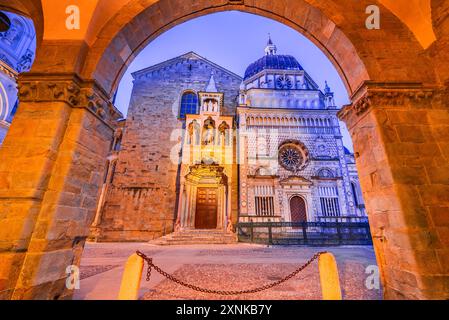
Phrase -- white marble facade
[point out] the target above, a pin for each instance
(293, 164)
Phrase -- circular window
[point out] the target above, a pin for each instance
(293, 156)
(284, 82)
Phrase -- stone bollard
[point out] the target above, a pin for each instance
(129, 288)
(330, 283)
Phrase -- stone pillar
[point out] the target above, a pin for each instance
(181, 202)
(438, 52)
(51, 168)
(192, 209)
(401, 139)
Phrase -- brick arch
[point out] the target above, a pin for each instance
(336, 27)
(440, 17)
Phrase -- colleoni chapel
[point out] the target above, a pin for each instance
(203, 149)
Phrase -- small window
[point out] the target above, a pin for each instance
(265, 206)
(189, 104)
(330, 207)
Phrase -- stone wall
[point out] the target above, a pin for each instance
(142, 201)
(400, 135)
(50, 173)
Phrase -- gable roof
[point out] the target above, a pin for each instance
(188, 55)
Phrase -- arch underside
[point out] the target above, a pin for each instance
(391, 54)
(359, 54)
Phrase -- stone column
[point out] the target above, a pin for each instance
(192, 206)
(401, 138)
(181, 202)
(51, 168)
(228, 198)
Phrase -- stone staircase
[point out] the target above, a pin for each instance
(196, 237)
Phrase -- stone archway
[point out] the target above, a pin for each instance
(398, 121)
(327, 23)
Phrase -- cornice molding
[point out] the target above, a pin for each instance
(6, 69)
(71, 89)
(381, 94)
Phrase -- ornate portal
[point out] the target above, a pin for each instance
(204, 198)
(206, 168)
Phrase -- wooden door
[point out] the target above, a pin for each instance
(206, 209)
(298, 209)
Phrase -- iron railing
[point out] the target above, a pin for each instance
(305, 233)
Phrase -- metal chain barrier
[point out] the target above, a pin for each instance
(170, 277)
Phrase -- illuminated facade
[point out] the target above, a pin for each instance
(293, 165)
(266, 147)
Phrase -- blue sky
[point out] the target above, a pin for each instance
(234, 40)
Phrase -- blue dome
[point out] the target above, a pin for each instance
(272, 61)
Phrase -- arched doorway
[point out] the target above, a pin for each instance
(298, 209)
(203, 205)
(206, 208)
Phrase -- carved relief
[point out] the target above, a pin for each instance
(382, 95)
(72, 91)
(204, 171)
(322, 150)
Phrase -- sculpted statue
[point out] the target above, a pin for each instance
(208, 136)
(209, 132)
(230, 227)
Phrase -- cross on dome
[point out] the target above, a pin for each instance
(271, 48)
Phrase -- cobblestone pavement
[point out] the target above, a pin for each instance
(231, 267)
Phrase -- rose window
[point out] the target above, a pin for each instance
(292, 157)
(284, 82)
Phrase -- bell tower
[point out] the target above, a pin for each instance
(207, 170)
(211, 100)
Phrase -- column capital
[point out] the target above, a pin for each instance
(385, 94)
(71, 89)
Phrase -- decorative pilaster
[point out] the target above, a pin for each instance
(71, 89)
(400, 133)
(58, 142)
(382, 94)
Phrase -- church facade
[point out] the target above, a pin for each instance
(294, 166)
(203, 149)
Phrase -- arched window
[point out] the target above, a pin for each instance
(325, 173)
(189, 104)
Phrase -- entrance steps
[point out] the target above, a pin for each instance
(197, 237)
